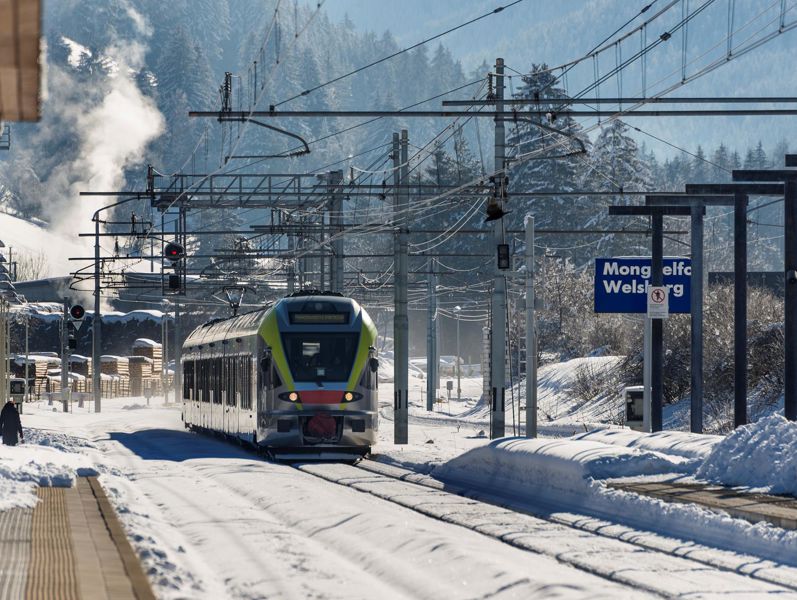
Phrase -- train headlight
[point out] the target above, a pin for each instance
(289, 396)
(351, 396)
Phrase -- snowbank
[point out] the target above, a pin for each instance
(564, 476)
(525, 466)
(44, 459)
(673, 443)
(761, 455)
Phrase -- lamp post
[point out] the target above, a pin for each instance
(459, 358)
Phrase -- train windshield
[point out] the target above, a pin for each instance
(320, 357)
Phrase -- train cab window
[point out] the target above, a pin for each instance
(320, 357)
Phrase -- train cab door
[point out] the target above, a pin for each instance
(263, 384)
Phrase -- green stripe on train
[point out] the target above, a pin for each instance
(367, 339)
(269, 331)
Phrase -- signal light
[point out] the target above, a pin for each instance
(503, 257)
(173, 252)
(174, 282)
(72, 342)
(77, 312)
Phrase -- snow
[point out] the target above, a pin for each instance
(146, 343)
(761, 455)
(673, 443)
(212, 520)
(44, 459)
(569, 475)
(110, 358)
(562, 466)
(134, 315)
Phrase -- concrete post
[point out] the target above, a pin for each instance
(696, 301)
(498, 346)
(531, 338)
(740, 309)
(400, 319)
(96, 323)
(336, 225)
(657, 327)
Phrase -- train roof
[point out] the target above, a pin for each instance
(248, 324)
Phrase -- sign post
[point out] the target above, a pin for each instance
(624, 285)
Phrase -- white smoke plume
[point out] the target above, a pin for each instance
(110, 126)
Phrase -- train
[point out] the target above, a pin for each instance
(297, 379)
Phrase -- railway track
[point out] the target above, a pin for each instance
(659, 565)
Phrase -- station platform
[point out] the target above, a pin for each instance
(70, 546)
(780, 511)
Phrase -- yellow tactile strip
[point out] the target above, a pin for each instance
(134, 576)
(15, 525)
(52, 564)
(70, 546)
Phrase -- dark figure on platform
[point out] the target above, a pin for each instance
(10, 424)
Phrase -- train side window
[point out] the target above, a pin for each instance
(218, 383)
(230, 381)
(248, 382)
(233, 379)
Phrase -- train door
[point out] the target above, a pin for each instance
(231, 407)
(213, 394)
(263, 387)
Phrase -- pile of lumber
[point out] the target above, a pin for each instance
(141, 374)
(115, 365)
(80, 365)
(150, 349)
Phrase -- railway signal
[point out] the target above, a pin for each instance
(173, 252)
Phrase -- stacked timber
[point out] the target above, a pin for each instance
(38, 367)
(116, 370)
(80, 365)
(115, 365)
(141, 374)
(152, 350)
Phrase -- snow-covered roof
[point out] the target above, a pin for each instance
(145, 343)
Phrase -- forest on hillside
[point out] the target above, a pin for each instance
(151, 62)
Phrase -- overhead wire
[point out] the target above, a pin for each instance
(395, 54)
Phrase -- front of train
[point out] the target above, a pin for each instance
(320, 389)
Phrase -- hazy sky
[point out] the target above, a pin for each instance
(537, 31)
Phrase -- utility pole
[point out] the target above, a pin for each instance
(431, 340)
(657, 326)
(498, 347)
(336, 226)
(531, 339)
(96, 323)
(4, 320)
(65, 357)
(178, 353)
(27, 354)
(400, 319)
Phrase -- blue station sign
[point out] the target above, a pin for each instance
(622, 284)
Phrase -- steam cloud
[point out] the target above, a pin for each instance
(111, 128)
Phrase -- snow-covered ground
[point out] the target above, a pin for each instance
(212, 520)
